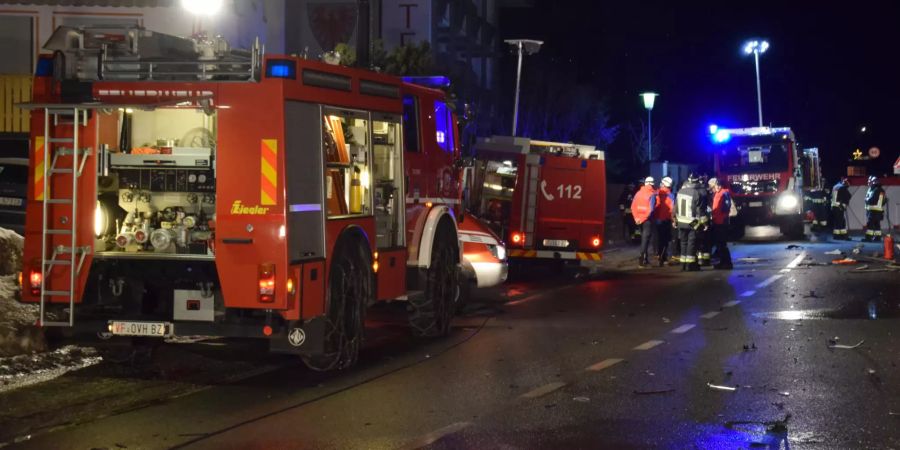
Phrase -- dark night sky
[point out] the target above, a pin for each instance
(830, 69)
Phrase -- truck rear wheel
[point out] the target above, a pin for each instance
(349, 288)
(432, 312)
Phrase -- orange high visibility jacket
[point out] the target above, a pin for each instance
(664, 204)
(643, 204)
(721, 207)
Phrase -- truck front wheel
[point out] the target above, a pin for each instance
(432, 312)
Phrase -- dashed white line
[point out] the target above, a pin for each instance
(683, 328)
(768, 281)
(731, 303)
(796, 262)
(606, 363)
(710, 315)
(748, 293)
(543, 390)
(648, 345)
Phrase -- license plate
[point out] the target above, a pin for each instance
(10, 201)
(153, 329)
(556, 243)
(755, 204)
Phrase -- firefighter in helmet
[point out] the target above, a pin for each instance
(840, 198)
(642, 208)
(704, 238)
(690, 215)
(818, 199)
(875, 201)
(664, 211)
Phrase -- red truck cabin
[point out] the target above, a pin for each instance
(218, 199)
(547, 199)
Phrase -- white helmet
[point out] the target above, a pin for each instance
(666, 182)
(713, 182)
(649, 181)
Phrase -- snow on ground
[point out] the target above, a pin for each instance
(18, 334)
(22, 370)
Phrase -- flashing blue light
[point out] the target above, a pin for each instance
(713, 129)
(44, 67)
(435, 81)
(722, 136)
(281, 68)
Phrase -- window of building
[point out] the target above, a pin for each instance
(411, 123)
(345, 141)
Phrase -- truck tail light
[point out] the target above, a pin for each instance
(596, 241)
(267, 283)
(35, 280)
(517, 238)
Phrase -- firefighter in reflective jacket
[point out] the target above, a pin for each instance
(704, 237)
(875, 201)
(664, 208)
(642, 208)
(628, 229)
(840, 198)
(818, 200)
(720, 210)
(690, 215)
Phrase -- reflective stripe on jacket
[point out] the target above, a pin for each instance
(875, 199)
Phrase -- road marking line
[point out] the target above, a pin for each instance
(731, 303)
(436, 435)
(683, 328)
(606, 363)
(710, 315)
(748, 293)
(543, 390)
(648, 345)
(768, 281)
(796, 262)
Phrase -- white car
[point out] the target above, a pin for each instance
(484, 254)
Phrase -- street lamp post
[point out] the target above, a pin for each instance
(757, 48)
(649, 100)
(521, 46)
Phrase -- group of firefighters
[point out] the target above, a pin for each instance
(700, 213)
(875, 202)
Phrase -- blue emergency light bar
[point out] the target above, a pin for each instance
(722, 135)
(434, 81)
(281, 68)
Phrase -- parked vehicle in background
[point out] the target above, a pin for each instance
(13, 181)
(547, 199)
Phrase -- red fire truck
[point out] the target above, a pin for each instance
(181, 187)
(547, 198)
(767, 173)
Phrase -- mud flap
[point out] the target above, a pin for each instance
(300, 338)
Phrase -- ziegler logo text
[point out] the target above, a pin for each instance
(239, 209)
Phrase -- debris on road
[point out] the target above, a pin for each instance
(812, 294)
(716, 387)
(666, 320)
(846, 261)
(748, 347)
(794, 247)
(749, 260)
(654, 392)
(581, 399)
(784, 394)
(834, 252)
(845, 347)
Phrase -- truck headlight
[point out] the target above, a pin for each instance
(499, 251)
(787, 202)
(101, 220)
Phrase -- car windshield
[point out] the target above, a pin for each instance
(754, 158)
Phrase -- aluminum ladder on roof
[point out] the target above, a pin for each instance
(71, 256)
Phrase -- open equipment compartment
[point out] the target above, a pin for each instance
(156, 195)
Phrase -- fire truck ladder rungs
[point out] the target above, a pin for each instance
(72, 255)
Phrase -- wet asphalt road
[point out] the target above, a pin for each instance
(619, 361)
